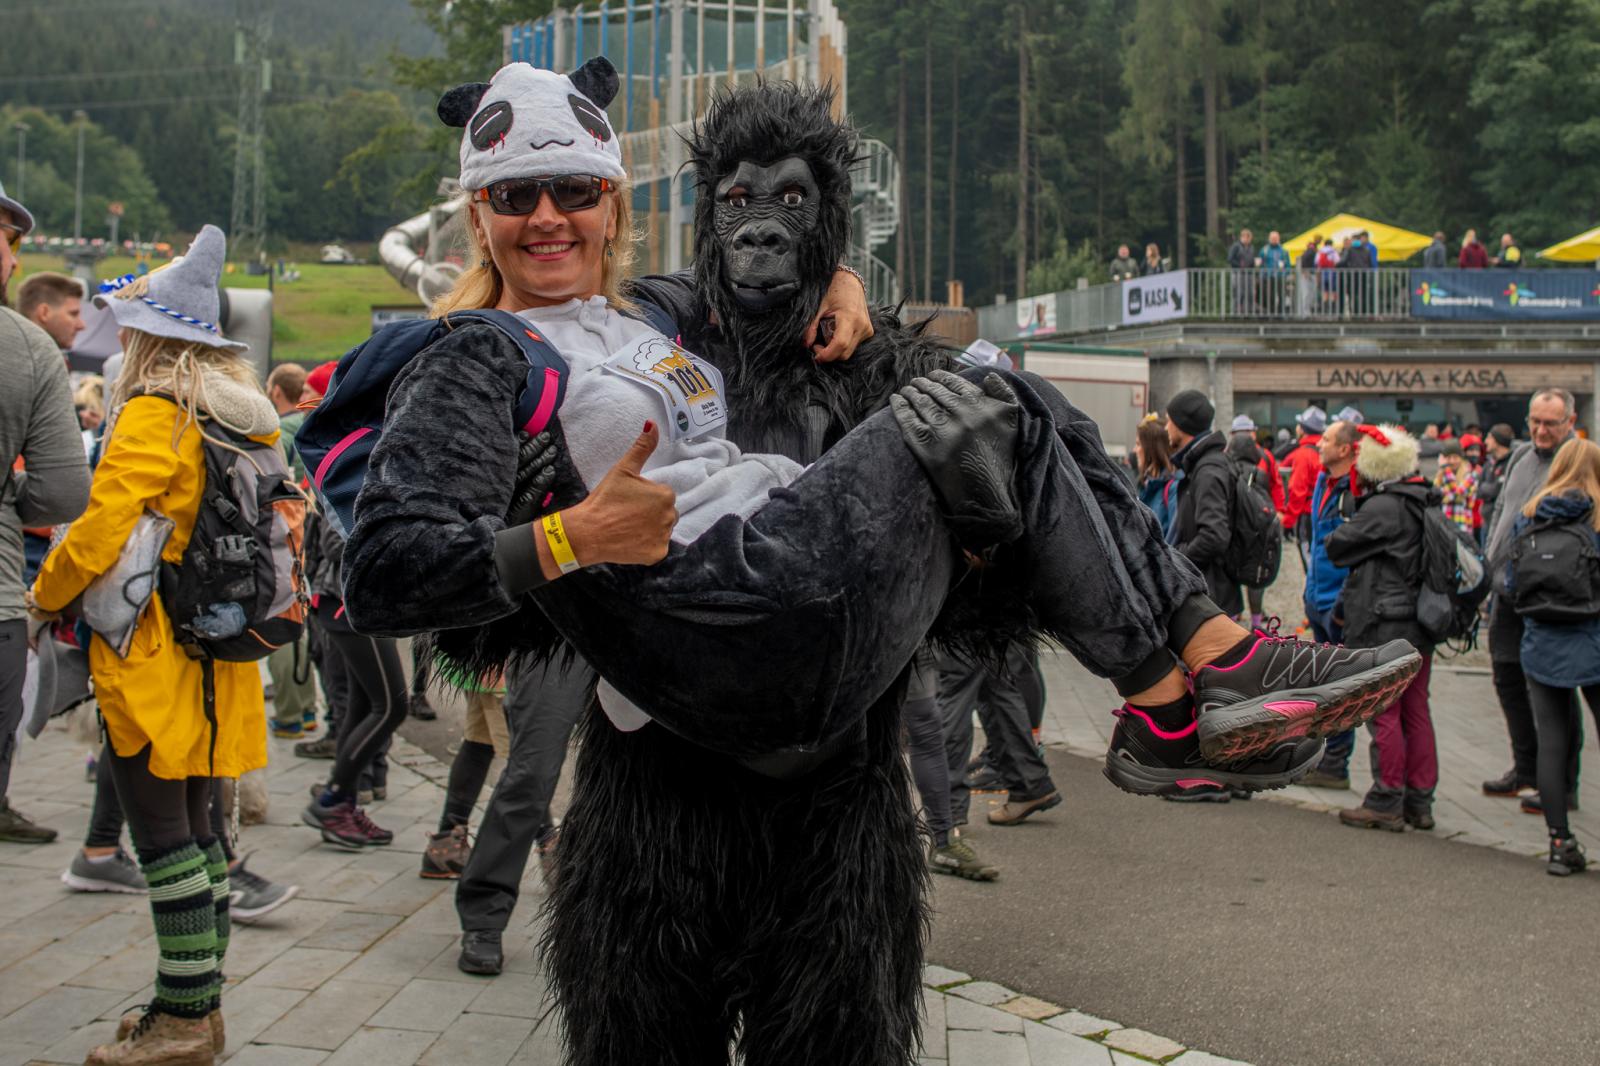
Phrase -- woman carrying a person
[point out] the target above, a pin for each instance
(166, 745)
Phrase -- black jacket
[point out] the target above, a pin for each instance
(1381, 546)
(1204, 519)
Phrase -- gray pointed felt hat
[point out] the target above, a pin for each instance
(182, 300)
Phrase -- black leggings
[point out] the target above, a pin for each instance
(375, 703)
(1555, 713)
(106, 817)
(162, 814)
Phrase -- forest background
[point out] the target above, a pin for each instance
(1034, 135)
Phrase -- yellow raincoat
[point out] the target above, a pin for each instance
(154, 695)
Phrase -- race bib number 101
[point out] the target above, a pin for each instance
(689, 387)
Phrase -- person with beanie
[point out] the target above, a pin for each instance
(1491, 472)
(1247, 453)
(1381, 548)
(1304, 463)
(1204, 518)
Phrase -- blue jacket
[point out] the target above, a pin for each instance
(1160, 494)
(1324, 581)
(1561, 655)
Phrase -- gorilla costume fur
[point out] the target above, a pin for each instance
(777, 903)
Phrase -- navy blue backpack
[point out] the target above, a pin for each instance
(337, 438)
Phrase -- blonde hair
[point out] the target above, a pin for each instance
(1576, 468)
(91, 394)
(480, 285)
(173, 367)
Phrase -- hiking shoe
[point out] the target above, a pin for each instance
(158, 1039)
(219, 1029)
(308, 722)
(958, 859)
(480, 952)
(288, 730)
(1365, 817)
(345, 825)
(1508, 785)
(1320, 778)
(446, 854)
(1420, 820)
(380, 793)
(1566, 857)
(985, 779)
(547, 855)
(114, 873)
(364, 797)
(1203, 792)
(321, 748)
(1016, 809)
(15, 828)
(420, 709)
(1147, 760)
(253, 896)
(1533, 803)
(1286, 688)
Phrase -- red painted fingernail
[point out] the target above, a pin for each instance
(649, 425)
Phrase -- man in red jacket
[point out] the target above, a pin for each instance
(1304, 464)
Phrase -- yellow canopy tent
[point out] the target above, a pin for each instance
(1584, 248)
(1393, 242)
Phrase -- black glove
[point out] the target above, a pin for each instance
(965, 437)
(536, 476)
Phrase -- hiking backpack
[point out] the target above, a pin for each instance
(238, 592)
(337, 438)
(1555, 572)
(1255, 536)
(1455, 580)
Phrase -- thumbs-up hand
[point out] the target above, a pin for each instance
(626, 519)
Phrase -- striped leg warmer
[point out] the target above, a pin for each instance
(221, 891)
(186, 930)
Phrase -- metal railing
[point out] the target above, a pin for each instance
(1302, 294)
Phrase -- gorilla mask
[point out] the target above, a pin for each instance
(762, 216)
(772, 220)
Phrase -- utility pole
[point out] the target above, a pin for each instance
(247, 227)
(22, 156)
(79, 119)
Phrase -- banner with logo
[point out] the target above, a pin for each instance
(1155, 298)
(1516, 294)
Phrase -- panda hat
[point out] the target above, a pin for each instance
(532, 123)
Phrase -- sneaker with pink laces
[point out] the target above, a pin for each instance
(1284, 689)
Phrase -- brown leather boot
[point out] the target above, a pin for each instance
(1365, 817)
(219, 1034)
(158, 1039)
(1014, 810)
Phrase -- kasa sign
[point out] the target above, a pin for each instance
(1156, 298)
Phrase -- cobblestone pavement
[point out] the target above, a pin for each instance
(360, 968)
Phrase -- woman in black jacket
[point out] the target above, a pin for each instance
(1381, 546)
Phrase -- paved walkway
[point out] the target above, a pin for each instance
(361, 967)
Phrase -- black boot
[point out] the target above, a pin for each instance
(480, 952)
(1566, 856)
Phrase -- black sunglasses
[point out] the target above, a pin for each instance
(520, 196)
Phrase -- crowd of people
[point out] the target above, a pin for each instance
(1351, 496)
(716, 761)
(1329, 276)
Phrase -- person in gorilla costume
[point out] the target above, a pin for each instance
(740, 863)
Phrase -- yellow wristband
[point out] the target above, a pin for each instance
(555, 535)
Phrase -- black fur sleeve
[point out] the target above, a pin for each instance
(422, 554)
(675, 294)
